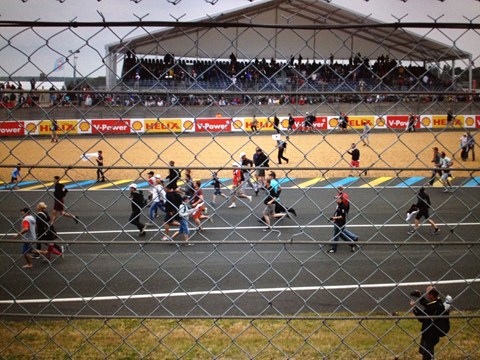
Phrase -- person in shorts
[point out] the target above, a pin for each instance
(198, 203)
(355, 153)
(28, 232)
(217, 190)
(184, 212)
(260, 159)
(237, 186)
(423, 205)
(54, 129)
(173, 200)
(16, 176)
(59, 194)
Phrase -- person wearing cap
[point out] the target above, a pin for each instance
(237, 186)
(28, 232)
(158, 198)
(246, 163)
(339, 220)
(46, 233)
(346, 202)
(137, 206)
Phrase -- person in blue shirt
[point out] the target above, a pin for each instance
(16, 176)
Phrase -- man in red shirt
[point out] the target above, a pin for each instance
(198, 203)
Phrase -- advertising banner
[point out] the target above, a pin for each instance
(162, 125)
(440, 121)
(12, 128)
(110, 126)
(354, 121)
(401, 121)
(213, 125)
(64, 127)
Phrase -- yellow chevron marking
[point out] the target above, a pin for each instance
(109, 184)
(39, 186)
(438, 183)
(310, 182)
(376, 182)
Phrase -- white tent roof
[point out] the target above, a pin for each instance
(321, 29)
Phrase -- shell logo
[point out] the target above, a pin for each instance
(284, 123)
(31, 127)
(333, 122)
(188, 125)
(84, 126)
(426, 121)
(137, 126)
(469, 121)
(237, 124)
(380, 121)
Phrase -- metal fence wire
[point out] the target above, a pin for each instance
(185, 118)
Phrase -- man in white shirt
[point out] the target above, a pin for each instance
(158, 197)
(446, 163)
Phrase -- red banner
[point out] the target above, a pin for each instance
(400, 121)
(12, 128)
(477, 121)
(213, 125)
(116, 126)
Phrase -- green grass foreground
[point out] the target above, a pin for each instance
(231, 339)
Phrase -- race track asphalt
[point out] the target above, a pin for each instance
(235, 268)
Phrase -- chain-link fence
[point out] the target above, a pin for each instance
(197, 191)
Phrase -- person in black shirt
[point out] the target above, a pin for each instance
(173, 200)
(282, 146)
(291, 123)
(432, 306)
(270, 201)
(450, 119)
(355, 153)
(423, 205)
(260, 159)
(246, 165)
(173, 175)
(276, 123)
(137, 206)
(59, 193)
(339, 220)
(437, 160)
(100, 174)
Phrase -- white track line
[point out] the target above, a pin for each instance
(258, 227)
(237, 291)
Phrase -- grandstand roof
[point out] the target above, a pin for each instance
(321, 29)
